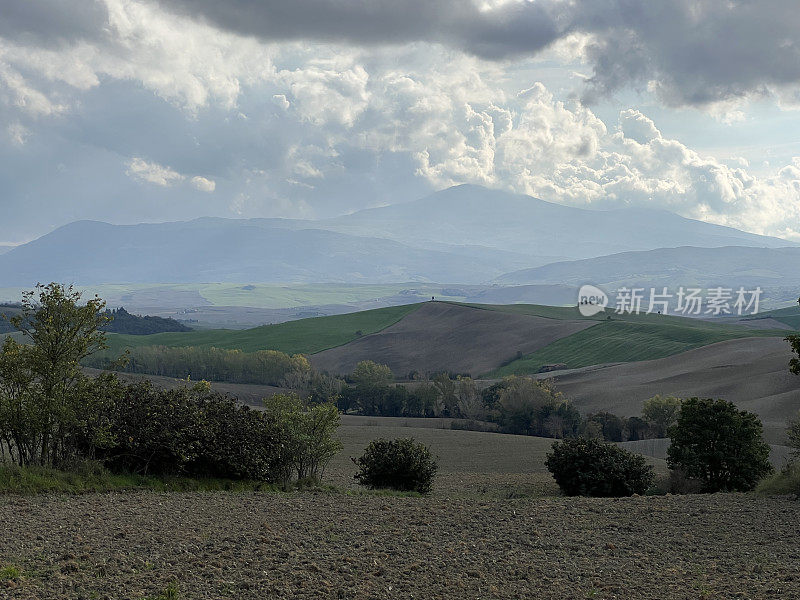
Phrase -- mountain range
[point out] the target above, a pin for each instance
(464, 234)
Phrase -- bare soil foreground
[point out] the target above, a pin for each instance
(226, 545)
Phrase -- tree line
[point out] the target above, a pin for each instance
(264, 367)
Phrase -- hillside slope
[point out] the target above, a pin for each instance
(304, 336)
(751, 372)
(440, 336)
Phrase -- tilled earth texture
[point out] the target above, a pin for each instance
(316, 545)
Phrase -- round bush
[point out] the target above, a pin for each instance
(584, 467)
(398, 464)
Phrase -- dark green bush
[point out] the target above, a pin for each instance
(719, 445)
(192, 431)
(399, 464)
(584, 467)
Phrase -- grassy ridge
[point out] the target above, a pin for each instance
(625, 341)
(305, 336)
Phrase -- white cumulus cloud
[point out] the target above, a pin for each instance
(151, 172)
(203, 184)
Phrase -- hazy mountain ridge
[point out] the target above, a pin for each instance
(226, 251)
(465, 234)
(469, 214)
(728, 265)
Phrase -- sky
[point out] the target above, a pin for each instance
(144, 110)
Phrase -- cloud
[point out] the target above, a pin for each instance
(705, 53)
(344, 121)
(203, 184)
(689, 53)
(151, 172)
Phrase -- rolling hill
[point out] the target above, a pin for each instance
(461, 338)
(441, 336)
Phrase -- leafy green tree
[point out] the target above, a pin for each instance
(369, 374)
(307, 434)
(469, 403)
(448, 400)
(718, 445)
(525, 403)
(47, 405)
(661, 412)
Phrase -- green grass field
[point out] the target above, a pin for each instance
(571, 313)
(789, 315)
(305, 336)
(627, 341)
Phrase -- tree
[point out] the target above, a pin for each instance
(307, 434)
(611, 426)
(793, 434)
(448, 400)
(371, 383)
(661, 412)
(369, 374)
(636, 429)
(794, 342)
(794, 363)
(47, 405)
(718, 445)
(469, 402)
(525, 403)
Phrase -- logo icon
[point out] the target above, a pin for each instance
(591, 300)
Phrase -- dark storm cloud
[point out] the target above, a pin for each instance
(517, 29)
(695, 51)
(49, 23)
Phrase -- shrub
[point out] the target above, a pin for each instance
(399, 464)
(192, 431)
(719, 445)
(583, 467)
(786, 481)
